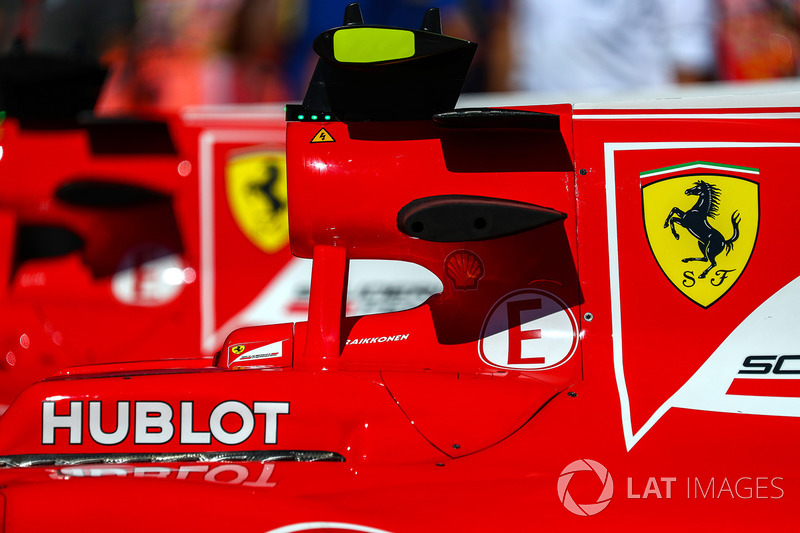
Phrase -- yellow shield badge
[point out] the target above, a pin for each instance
(701, 221)
(256, 190)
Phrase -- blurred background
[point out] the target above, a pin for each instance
(164, 54)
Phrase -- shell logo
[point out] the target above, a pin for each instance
(591, 508)
(464, 269)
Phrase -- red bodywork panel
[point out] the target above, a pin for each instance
(167, 278)
(150, 280)
(589, 374)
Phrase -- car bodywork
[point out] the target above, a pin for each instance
(127, 239)
(582, 368)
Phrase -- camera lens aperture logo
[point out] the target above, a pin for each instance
(588, 508)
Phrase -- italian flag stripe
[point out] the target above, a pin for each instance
(697, 165)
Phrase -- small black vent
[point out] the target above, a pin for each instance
(106, 194)
(459, 218)
(40, 242)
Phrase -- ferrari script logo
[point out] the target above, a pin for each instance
(256, 189)
(702, 226)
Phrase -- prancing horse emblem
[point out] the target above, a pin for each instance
(719, 197)
(255, 183)
(695, 221)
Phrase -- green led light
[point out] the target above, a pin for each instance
(300, 117)
(327, 117)
(313, 117)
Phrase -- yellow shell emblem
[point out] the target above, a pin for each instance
(256, 189)
(702, 227)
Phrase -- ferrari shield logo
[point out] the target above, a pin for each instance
(701, 221)
(256, 190)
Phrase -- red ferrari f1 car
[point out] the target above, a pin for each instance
(155, 236)
(612, 349)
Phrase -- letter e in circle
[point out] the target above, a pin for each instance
(528, 329)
